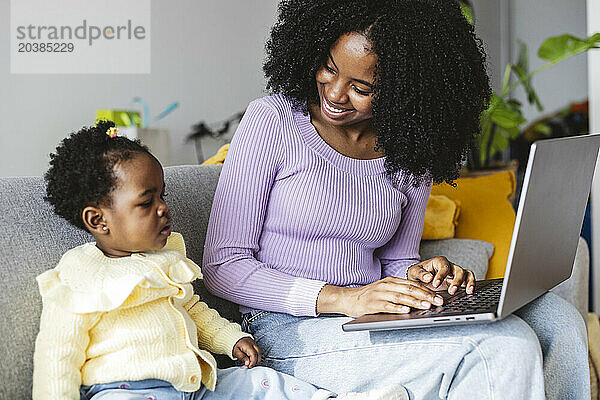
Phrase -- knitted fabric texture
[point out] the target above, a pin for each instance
(291, 214)
(129, 318)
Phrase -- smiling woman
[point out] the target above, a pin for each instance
(428, 82)
(345, 86)
(319, 209)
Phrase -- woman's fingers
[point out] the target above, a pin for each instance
(419, 272)
(411, 301)
(395, 295)
(470, 281)
(457, 279)
(389, 295)
(454, 275)
(413, 294)
(432, 271)
(393, 308)
(442, 267)
(461, 277)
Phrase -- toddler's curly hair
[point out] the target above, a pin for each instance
(81, 172)
(430, 79)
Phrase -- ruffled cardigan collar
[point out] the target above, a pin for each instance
(86, 281)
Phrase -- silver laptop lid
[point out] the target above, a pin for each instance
(549, 218)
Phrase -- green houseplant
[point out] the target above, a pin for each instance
(503, 118)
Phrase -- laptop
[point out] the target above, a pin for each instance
(551, 208)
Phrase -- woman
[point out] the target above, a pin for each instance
(320, 205)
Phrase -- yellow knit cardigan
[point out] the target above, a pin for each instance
(131, 318)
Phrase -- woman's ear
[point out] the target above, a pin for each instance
(93, 218)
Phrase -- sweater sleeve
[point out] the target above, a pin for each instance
(60, 352)
(402, 250)
(215, 333)
(230, 267)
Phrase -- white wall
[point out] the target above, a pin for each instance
(205, 54)
(208, 55)
(491, 26)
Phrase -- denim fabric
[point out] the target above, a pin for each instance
(563, 338)
(506, 359)
(147, 389)
(236, 383)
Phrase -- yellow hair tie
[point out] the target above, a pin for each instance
(112, 132)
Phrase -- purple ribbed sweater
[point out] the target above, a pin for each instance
(291, 214)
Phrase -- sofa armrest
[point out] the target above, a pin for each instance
(575, 289)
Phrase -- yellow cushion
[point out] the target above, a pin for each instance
(441, 217)
(218, 158)
(486, 213)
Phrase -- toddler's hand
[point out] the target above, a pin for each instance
(247, 351)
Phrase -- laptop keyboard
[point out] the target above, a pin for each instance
(486, 297)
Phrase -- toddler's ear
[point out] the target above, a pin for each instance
(93, 218)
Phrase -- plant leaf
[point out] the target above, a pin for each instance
(502, 117)
(506, 79)
(500, 141)
(532, 96)
(558, 48)
(467, 12)
(542, 128)
(485, 123)
(498, 144)
(523, 57)
(507, 116)
(522, 71)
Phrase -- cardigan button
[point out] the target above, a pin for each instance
(193, 379)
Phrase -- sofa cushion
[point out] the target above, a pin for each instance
(441, 217)
(33, 240)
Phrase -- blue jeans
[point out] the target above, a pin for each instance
(236, 383)
(544, 344)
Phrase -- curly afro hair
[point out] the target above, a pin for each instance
(81, 171)
(430, 78)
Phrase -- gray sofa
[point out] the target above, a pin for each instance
(33, 240)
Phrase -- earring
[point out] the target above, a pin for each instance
(104, 228)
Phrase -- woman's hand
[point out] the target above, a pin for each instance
(247, 351)
(388, 295)
(438, 270)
